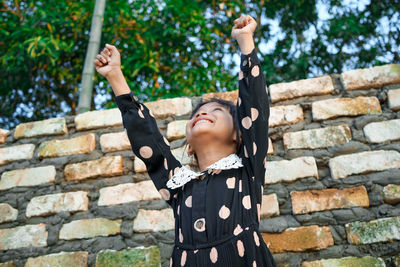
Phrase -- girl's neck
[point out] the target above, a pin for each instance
(208, 155)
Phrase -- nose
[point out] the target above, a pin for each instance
(200, 113)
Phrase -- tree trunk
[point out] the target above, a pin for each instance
(85, 96)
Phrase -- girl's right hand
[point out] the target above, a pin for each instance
(108, 61)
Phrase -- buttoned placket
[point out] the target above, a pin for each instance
(199, 222)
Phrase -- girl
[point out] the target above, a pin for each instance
(217, 211)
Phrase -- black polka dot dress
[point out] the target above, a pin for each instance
(217, 213)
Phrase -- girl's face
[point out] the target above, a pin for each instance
(212, 120)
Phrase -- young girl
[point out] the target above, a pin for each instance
(217, 211)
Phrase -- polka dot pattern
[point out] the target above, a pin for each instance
(254, 264)
(246, 202)
(258, 211)
(256, 239)
(224, 212)
(180, 235)
(166, 164)
(254, 148)
(246, 154)
(240, 248)
(238, 230)
(255, 71)
(246, 122)
(239, 101)
(146, 152)
(166, 141)
(188, 202)
(140, 114)
(240, 75)
(214, 255)
(240, 186)
(254, 114)
(200, 225)
(165, 194)
(230, 182)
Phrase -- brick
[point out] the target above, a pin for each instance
(78, 145)
(364, 162)
(328, 199)
(314, 86)
(28, 177)
(394, 99)
(139, 256)
(269, 206)
(14, 153)
(105, 166)
(139, 165)
(7, 264)
(378, 132)
(23, 236)
(228, 96)
(299, 239)
(375, 77)
(54, 203)
(317, 138)
(154, 221)
(89, 228)
(55, 126)
(176, 129)
(332, 108)
(114, 142)
(3, 135)
(366, 261)
(98, 119)
(285, 115)
(7, 213)
(270, 147)
(125, 193)
(73, 259)
(380, 230)
(290, 170)
(175, 107)
(391, 194)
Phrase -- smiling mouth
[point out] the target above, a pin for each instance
(201, 120)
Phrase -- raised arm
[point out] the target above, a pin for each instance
(253, 102)
(147, 142)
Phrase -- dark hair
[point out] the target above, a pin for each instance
(232, 110)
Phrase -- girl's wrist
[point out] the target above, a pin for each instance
(246, 43)
(114, 74)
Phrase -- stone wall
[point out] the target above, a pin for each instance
(73, 194)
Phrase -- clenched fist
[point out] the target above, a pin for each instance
(108, 61)
(245, 25)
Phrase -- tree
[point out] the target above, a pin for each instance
(175, 47)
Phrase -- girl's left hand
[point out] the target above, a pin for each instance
(245, 25)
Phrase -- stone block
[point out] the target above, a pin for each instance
(7, 264)
(228, 96)
(176, 129)
(154, 221)
(55, 126)
(374, 77)
(299, 239)
(290, 170)
(78, 145)
(170, 107)
(139, 165)
(138, 256)
(7, 213)
(378, 132)
(285, 115)
(54, 203)
(317, 138)
(27, 177)
(380, 230)
(89, 228)
(98, 119)
(394, 99)
(269, 206)
(270, 147)
(366, 261)
(125, 193)
(314, 86)
(3, 135)
(391, 194)
(114, 142)
(336, 107)
(23, 236)
(328, 199)
(363, 162)
(14, 153)
(66, 259)
(105, 166)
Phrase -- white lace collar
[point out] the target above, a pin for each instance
(185, 174)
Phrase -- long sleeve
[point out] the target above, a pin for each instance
(148, 144)
(253, 112)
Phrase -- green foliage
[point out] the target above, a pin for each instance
(173, 48)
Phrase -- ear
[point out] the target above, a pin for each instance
(190, 150)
